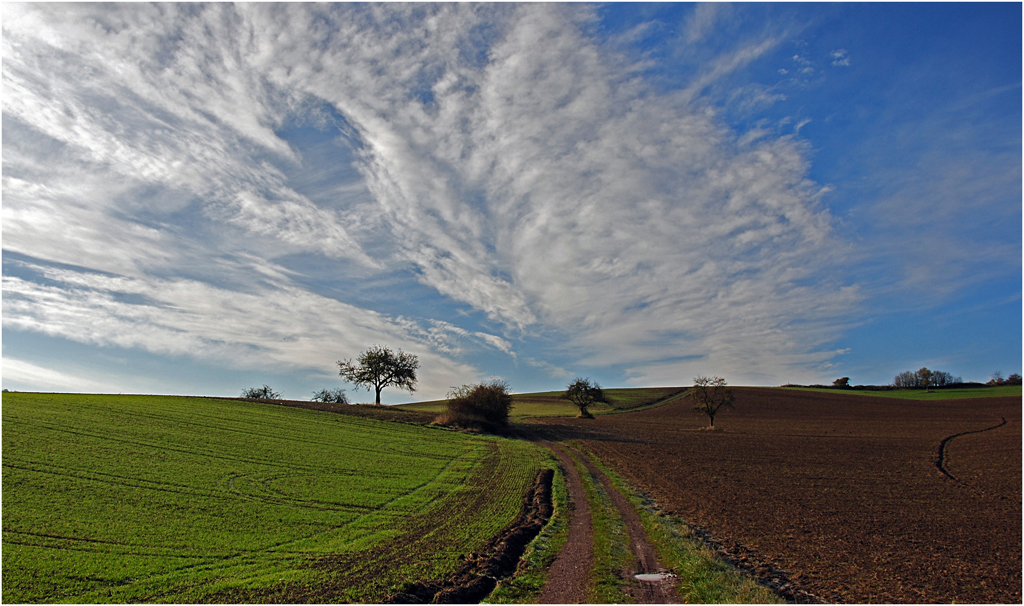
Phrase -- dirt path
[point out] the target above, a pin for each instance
(569, 578)
(645, 559)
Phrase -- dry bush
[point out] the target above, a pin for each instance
(482, 407)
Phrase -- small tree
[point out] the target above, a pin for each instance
(905, 380)
(583, 394)
(709, 395)
(261, 393)
(484, 406)
(843, 383)
(379, 367)
(330, 396)
(924, 378)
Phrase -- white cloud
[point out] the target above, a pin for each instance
(277, 328)
(527, 172)
(840, 58)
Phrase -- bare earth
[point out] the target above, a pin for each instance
(851, 498)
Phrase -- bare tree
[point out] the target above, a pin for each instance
(583, 394)
(379, 367)
(261, 393)
(709, 395)
(905, 380)
(330, 396)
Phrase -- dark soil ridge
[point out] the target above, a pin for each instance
(477, 578)
(941, 462)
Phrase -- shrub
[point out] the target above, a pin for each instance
(261, 393)
(330, 396)
(484, 406)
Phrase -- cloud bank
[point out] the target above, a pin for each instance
(501, 155)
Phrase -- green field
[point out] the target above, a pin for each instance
(920, 394)
(551, 404)
(174, 499)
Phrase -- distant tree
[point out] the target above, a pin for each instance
(330, 396)
(709, 395)
(843, 383)
(997, 378)
(941, 378)
(483, 406)
(261, 393)
(905, 380)
(924, 378)
(583, 394)
(379, 367)
(1013, 379)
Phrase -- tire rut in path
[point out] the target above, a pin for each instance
(569, 576)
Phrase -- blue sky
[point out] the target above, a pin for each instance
(203, 198)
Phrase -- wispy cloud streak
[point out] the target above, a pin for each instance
(512, 161)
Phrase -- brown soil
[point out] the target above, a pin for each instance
(841, 496)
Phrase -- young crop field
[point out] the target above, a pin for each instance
(551, 403)
(853, 499)
(175, 499)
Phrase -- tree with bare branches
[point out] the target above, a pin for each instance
(583, 394)
(709, 395)
(379, 367)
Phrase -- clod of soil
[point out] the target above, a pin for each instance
(482, 570)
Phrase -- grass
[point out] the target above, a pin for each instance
(920, 394)
(703, 577)
(551, 404)
(173, 499)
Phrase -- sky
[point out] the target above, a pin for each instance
(200, 198)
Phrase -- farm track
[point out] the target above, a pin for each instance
(834, 495)
(645, 560)
(569, 575)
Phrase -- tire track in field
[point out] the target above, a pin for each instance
(943, 457)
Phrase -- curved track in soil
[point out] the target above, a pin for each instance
(941, 463)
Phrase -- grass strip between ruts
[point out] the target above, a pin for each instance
(612, 557)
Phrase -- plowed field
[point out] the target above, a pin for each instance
(842, 491)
